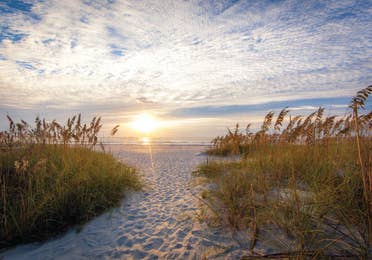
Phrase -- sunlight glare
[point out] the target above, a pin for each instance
(145, 141)
(145, 123)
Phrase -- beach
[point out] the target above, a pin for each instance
(157, 223)
(195, 129)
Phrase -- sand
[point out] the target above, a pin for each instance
(158, 223)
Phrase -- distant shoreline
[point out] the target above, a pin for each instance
(160, 143)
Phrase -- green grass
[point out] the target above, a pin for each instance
(52, 177)
(47, 188)
(305, 187)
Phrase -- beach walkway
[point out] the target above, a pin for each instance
(158, 223)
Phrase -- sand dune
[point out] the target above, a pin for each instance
(158, 223)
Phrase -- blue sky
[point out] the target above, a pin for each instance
(202, 64)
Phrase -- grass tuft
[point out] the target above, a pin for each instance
(305, 184)
(50, 181)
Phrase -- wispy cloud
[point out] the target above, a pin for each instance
(228, 110)
(182, 53)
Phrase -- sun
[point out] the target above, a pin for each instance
(145, 123)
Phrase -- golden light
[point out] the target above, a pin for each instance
(145, 140)
(145, 123)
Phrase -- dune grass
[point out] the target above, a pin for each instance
(51, 179)
(304, 188)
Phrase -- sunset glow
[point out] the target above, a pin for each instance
(216, 129)
(145, 123)
(145, 140)
(206, 63)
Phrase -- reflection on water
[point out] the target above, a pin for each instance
(145, 141)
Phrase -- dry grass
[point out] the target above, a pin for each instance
(298, 130)
(308, 178)
(51, 177)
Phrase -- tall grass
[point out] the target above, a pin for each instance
(304, 183)
(51, 177)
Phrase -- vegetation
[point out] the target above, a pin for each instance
(52, 177)
(305, 184)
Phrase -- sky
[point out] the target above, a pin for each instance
(198, 66)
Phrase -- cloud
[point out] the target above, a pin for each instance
(197, 53)
(144, 100)
(15, 5)
(228, 110)
(12, 35)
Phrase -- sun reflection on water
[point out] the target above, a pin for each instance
(145, 141)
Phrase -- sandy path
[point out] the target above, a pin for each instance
(155, 224)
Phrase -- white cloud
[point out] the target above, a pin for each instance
(184, 52)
